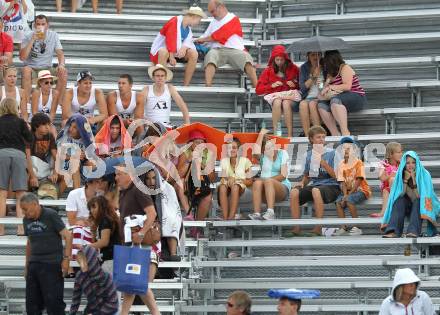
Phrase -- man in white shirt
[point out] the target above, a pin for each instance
(224, 36)
(76, 203)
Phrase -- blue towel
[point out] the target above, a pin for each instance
(294, 294)
(429, 203)
(84, 129)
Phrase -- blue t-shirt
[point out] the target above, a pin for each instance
(271, 168)
(184, 32)
(319, 177)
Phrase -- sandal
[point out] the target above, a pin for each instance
(390, 235)
(411, 235)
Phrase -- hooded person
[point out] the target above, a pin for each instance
(114, 137)
(405, 298)
(279, 85)
(96, 284)
(412, 194)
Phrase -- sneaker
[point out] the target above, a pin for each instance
(340, 232)
(233, 254)
(355, 231)
(188, 217)
(237, 216)
(269, 215)
(255, 216)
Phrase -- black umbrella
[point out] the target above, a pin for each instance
(318, 43)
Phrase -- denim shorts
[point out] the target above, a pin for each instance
(353, 198)
(353, 102)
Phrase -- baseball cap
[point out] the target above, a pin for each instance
(84, 75)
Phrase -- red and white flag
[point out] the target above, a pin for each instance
(226, 33)
(171, 38)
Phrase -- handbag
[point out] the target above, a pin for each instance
(131, 266)
(152, 235)
(327, 96)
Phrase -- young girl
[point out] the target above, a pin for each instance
(412, 195)
(233, 182)
(388, 169)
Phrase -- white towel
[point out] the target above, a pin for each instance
(132, 221)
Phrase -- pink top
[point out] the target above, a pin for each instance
(355, 85)
(389, 169)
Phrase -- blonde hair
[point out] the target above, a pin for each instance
(9, 68)
(9, 106)
(242, 299)
(391, 148)
(316, 130)
(398, 292)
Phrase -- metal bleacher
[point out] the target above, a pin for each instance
(395, 53)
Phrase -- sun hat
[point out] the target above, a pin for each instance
(153, 69)
(195, 11)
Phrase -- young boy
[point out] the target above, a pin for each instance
(351, 174)
(113, 137)
(317, 185)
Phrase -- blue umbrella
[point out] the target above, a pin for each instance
(294, 294)
(141, 165)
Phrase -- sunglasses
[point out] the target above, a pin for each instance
(48, 82)
(43, 48)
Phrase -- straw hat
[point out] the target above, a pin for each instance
(153, 69)
(195, 11)
(44, 74)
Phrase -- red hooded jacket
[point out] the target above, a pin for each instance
(268, 77)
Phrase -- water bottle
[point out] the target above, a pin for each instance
(263, 125)
(278, 131)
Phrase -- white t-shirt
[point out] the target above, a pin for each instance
(77, 201)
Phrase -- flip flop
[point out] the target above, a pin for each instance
(390, 235)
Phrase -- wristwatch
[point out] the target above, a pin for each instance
(141, 235)
(66, 257)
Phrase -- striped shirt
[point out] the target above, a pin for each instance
(355, 85)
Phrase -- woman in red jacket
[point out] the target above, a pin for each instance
(279, 84)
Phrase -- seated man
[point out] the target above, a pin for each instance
(112, 137)
(224, 36)
(175, 41)
(317, 185)
(37, 51)
(6, 49)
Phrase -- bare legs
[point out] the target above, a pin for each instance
(318, 205)
(249, 69)
(229, 207)
(286, 106)
(191, 62)
(337, 115)
(308, 112)
(268, 190)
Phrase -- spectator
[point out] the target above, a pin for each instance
(287, 306)
(318, 184)
(387, 173)
(84, 99)
(273, 183)
(76, 5)
(158, 97)
(16, 17)
(224, 37)
(44, 98)
(96, 284)
(234, 180)
(175, 42)
(14, 136)
(406, 296)
(76, 131)
(412, 195)
(106, 229)
(239, 303)
(45, 261)
(6, 50)
(281, 75)
(11, 90)
(76, 203)
(351, 174)
(343, 91)
(311, 81)
(44, 150)
(113, 138)
(37, 51)
(198, 197)
(125, 102)
(134, 202)
(172, 227)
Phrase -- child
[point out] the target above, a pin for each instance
(319, 186)
(412, 195)
(351, 174)
(387, 172)
(113, 138)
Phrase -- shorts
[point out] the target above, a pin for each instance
(353, 102)
(329, 193)
(13, 170)
(353, 198)
(237, 59)
(295, 107)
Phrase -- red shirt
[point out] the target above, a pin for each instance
(6, 44)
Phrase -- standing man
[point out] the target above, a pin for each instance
(224, 36)
(45, 260)
(239, 303)
(134, 202)
(37, 51)
(6, 49)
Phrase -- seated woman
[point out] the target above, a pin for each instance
(412, 195)
(199, 198)
(76, 131)
(311, 81)
(10, 89)
(112, 139)
(281, 75)
(233, 180)
(342, 94)
(273, 185)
